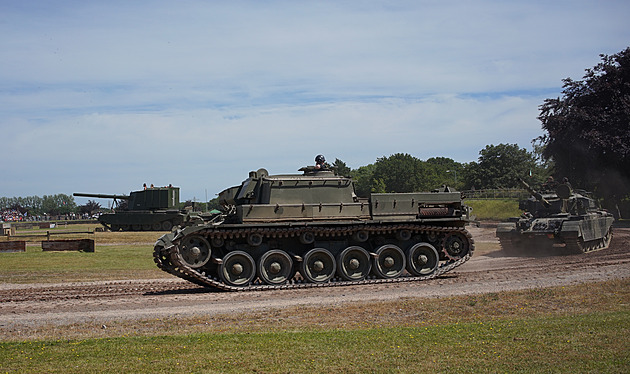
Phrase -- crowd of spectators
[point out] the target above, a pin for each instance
(12, 215)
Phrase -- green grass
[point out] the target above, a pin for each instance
(582, 328)
(594, 342)
(118, 255)
(496, 210)
(106, 263)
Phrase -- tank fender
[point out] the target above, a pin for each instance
(571, 229)
(506, 228)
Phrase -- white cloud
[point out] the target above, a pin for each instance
(106, 96)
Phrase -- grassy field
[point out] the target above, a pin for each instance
(118, 255)
(495, 210)
(581, 328)
(566, 329)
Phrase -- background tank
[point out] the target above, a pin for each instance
(559, 220)
(152, 209)
(291, 231)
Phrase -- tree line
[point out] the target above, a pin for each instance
(51, 205)
(498, 166)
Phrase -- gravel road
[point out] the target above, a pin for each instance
(24, 307)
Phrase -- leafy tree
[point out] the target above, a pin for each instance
(501, 166)
(364, 178)
(89, 208)
(446, 171)
(588, 128)
(58, 204)
(341, 167)
(403, 173)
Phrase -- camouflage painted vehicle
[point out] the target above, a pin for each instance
(152, 209)
(557, 221)
(295, 231)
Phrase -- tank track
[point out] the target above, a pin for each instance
(168, 260)
(509, 247)
(575, 246)
(580, 246)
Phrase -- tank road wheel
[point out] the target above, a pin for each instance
(166, 225)
(390, 262)
(275, 267)
(422, 259)
(318, 265)
(456, 245)
(237, 269)
(354, 263)
(156, 226)
(195, 251)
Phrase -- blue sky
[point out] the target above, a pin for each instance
(103, 96)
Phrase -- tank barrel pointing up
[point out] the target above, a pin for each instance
(534, 193)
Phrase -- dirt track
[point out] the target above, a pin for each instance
(25, 307)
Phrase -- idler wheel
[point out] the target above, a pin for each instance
(422, 259)
(390, 262)
(353, 263)
(275, 267)
(318, 265)
(237, 269)
(456, 245)
(195, 251)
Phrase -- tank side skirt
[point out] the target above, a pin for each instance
(166, 255)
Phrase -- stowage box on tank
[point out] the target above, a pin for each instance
(557, 221)
(292, 231)
(152, 209)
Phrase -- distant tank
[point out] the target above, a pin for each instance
(311, 230)
(557, 220)
(152, 209)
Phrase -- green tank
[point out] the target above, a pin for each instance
(556, 220)
(311, 230)
(151, 209)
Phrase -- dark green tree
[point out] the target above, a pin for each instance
(500, 166)
(588, 128)
(341, 168)
(363, 177)
(89, 208)
(403, 173)
(58, 204)
(446, 171)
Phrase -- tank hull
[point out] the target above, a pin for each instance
(142, 220)
(311, 230)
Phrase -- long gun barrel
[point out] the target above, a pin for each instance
(534, 193)
(102, 196)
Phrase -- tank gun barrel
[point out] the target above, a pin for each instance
(534, 193)
(102, 196)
